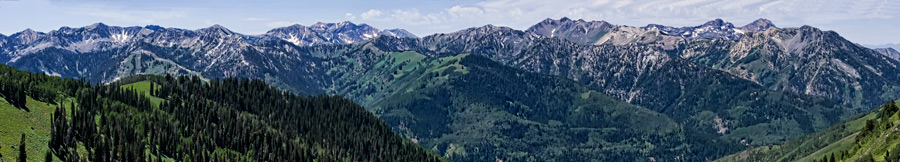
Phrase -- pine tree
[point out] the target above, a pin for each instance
(48, 157)
(896, 154)
(22, 156)
(152, 89)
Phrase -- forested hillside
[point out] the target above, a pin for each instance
(152, 118)
(470, 108)
(27, 104)
(870, 137)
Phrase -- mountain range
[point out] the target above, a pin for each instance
(494, 92)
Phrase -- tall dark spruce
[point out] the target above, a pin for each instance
(23, 157)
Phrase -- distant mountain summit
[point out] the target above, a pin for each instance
(400, 33)
(27, 36)
(715, 29)
(889, 52)
(332, 33)
(216, 29)
(601, 32)
(710, 30)
(578, 31)
(758, 25)
(804, 60)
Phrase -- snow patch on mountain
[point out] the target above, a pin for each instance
(121, 37)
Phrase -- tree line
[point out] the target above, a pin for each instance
(222, 120)
(232, 119)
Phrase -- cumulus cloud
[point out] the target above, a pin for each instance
(371, 15)
(350, 16)
(465, 12)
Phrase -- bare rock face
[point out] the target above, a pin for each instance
(626, 35)
(802, 60)
(400, 33)
(715, 29)
(889, 52)
(805, 60)
(578, 31)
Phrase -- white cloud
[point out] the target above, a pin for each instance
(371, 14)
(465, 12)
(350, 16)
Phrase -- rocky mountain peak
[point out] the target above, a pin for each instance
(889, 52)
(97, 26)
(718, 23)
(28, 32)
(565, 21)
(328, 33)
(399, 33)
(486, 29)
(578, 31)
(758, 25)
(714, 29)
(27, 36)
(218, 29)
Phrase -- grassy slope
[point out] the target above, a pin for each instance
(840, 137)
(144, 87)
(35, 125)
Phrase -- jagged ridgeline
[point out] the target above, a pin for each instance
(155, 118)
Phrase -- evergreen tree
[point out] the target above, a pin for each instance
(896, 154)
(152, 89)
(22, 156)
(48, 157)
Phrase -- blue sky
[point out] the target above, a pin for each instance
(861, 21)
